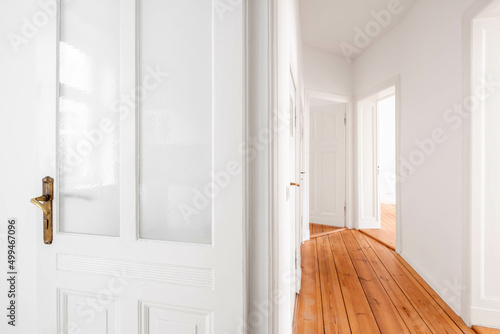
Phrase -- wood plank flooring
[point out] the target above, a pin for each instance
(354, 284)
(484, 330)
(387, 234)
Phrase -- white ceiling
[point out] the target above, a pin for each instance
(328, 23)
(492, 10)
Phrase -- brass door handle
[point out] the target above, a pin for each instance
(294, 184)
(45, 207)
(44, 203)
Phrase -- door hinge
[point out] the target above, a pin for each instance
(297, 250)
(345, 120)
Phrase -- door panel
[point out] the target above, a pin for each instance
(149, 219)
(327, 156)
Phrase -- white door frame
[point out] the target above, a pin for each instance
(377, 113)
(295, 191)
(393, 82)
(471, 163)
(347, 100)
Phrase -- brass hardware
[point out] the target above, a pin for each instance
(43, 206)
(44, 203)
(294, 184)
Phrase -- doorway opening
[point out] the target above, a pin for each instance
(378, 181)
(327, 161)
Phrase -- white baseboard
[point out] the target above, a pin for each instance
(325, 221)
(453, 301)
(307, 235)
(369, 225)
(485, 317)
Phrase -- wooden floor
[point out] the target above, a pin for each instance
(354, 284)
(387, 234)
(483, 330)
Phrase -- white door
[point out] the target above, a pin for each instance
(369, 208)
(327, 164)
(140, 120)
(299, 200)
(294, 190)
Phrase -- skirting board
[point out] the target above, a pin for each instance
(323, 221)
(453, 302)
(369, 225)
(485, 317)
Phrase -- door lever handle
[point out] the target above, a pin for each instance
(45, 207)
(44, 203)
(294, 184)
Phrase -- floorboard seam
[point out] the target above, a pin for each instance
(320, 288)
(383, 287)
(362, 287)
(439, 304)
(340, 285)
(400, 288)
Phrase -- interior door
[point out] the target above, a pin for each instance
(293, 190)
(141, 117)
(369, 208)
(327, 164)
(299, 212)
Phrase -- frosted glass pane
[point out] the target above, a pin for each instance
(88, 124)
(176, 120)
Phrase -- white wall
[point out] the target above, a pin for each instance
(425, 49)
(326, 72)
(386, 114)
(18, 105)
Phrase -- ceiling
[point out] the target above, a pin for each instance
(328, 23)
(492, 10)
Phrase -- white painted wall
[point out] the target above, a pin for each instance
(18, 104)
(425, 49)
(326, 72)
(386, 114)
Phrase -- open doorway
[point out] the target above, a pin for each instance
(377, 118)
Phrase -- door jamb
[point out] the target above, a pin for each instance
(396, 83)
(314, 94)
(469, 198)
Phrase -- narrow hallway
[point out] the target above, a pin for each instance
(353, 284)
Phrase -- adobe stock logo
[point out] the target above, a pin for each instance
(372, 29)
(31, 26)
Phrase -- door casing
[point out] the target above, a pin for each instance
(396, 83)
(347, 100)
